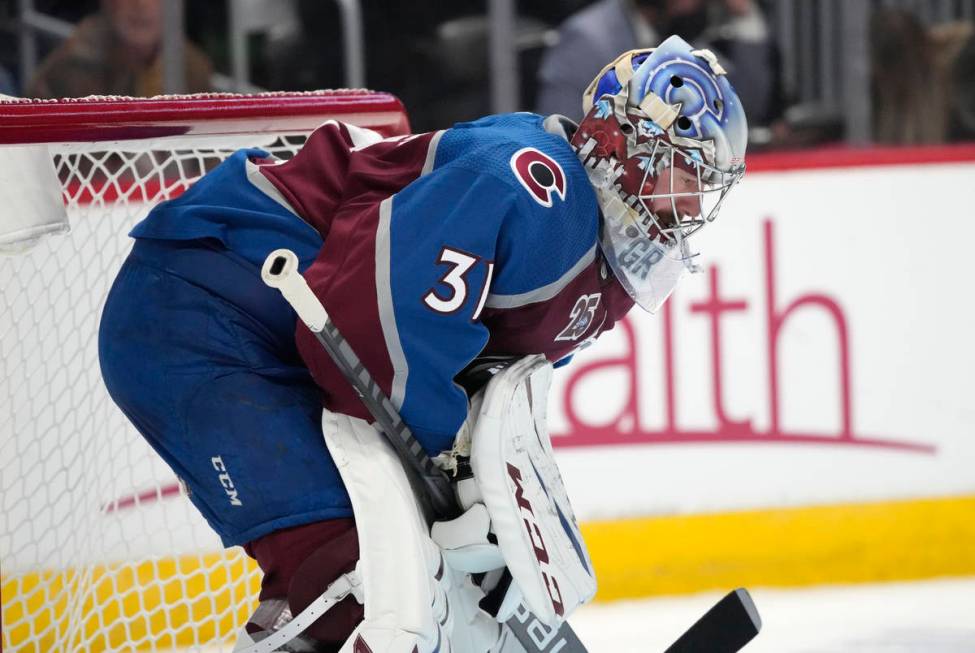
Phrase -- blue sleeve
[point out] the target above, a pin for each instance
(226, 206)
(443, 236)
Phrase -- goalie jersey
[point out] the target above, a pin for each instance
(434, 252)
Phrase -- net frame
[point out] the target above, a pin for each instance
(99, 547)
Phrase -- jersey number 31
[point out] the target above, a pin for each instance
(461, 263)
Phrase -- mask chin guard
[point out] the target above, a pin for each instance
(647, 269)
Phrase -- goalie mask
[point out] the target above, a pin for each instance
(663, 141)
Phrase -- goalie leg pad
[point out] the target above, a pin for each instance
(395, 553)
(414, 601)
(531, 516)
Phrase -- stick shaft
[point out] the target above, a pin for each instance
(435, 492)
(431, 485)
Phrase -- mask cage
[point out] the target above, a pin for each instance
(713, 185)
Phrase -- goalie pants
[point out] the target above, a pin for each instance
(200, 356)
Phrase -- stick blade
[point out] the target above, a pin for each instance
(730, 624)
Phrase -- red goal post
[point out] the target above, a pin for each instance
(111, 118)
(99, 548)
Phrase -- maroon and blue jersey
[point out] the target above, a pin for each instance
(479, 241)
(434, 254)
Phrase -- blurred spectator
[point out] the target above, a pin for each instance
(116, 51)
(587, 40)
(735, 29)
(909, 99)
(312, 57)
(921, 79)
(453, 78)
(434, 56)
(739, 34)
(7, 85)
(955, 48)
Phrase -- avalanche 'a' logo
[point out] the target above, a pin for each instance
(539, 173)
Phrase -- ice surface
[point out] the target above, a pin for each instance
(935, 616)
(917, 617)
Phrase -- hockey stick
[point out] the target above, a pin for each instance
(725, 628)
(730, 624)
(429, 482)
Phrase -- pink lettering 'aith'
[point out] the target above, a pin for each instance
(626, 427)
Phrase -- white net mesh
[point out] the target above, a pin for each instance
(99, 548)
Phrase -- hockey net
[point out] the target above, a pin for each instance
(99, 548)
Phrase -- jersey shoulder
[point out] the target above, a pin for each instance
(516, 149)
(555, 221)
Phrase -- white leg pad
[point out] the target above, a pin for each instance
(397, 559)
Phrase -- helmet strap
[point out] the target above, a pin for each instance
(660, 112)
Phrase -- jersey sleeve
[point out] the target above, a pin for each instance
(443, 254)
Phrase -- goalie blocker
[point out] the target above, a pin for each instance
(518, 489)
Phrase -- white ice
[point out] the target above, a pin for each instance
(936, 616)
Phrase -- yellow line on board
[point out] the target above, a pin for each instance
(851, 543)
(179, 602)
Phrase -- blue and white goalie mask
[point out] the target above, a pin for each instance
(663, 141)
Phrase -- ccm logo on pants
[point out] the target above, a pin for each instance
(224, 478)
